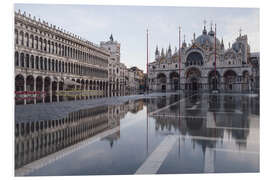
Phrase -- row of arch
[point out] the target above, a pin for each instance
(215, 81)
(51, 86)
(35, 42)
(30, 61)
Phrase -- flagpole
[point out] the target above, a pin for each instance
(179, 58)
(147, 83)
(215, 58)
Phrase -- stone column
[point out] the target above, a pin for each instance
(57, 91)
(50, 90)
(24, 88)
(35, 89)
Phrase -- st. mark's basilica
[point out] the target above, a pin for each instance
(236, 68)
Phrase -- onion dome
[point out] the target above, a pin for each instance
(238, 46)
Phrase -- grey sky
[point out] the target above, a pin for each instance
(128, 25)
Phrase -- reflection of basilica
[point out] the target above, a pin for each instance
(195, 122)
(37, 139)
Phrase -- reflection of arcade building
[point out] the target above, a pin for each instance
(234, 69)
(37, 139)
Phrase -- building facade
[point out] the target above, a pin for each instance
(116, 69)
(139, 78)
(235, 72)
(49, 60)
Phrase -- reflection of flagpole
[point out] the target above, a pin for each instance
(147, 126)
(179, 125)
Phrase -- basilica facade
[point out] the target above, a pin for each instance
(234, 70)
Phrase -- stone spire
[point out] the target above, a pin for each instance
(111, 38)
(169, 51)
(194, 36)
(222, 44)
(211, 32)
(157, 52)
(162, 52)
(184, 44)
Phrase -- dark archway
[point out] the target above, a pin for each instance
(214, 80)
(193, 76)
(229, 80)
(174, 80)
(194, 58)
(162, 81)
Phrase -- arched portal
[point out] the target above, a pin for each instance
(214, 80)
(174, 80)
(229, 80)
(161, 81)
(19, 83)
(193, 76)
(194, 58)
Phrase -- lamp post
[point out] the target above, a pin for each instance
(147, 61)
(215, 87)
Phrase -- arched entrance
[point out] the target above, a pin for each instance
(214, 80)
(193, 76)
(161, 82)
(174, 81)
(229, 80)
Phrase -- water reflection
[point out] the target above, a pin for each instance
(203, 122)
(230, 116)
(34, 140)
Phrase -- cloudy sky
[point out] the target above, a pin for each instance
(128, 25)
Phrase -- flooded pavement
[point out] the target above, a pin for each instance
(187, 133)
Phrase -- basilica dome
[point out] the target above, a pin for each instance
(207, 39)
